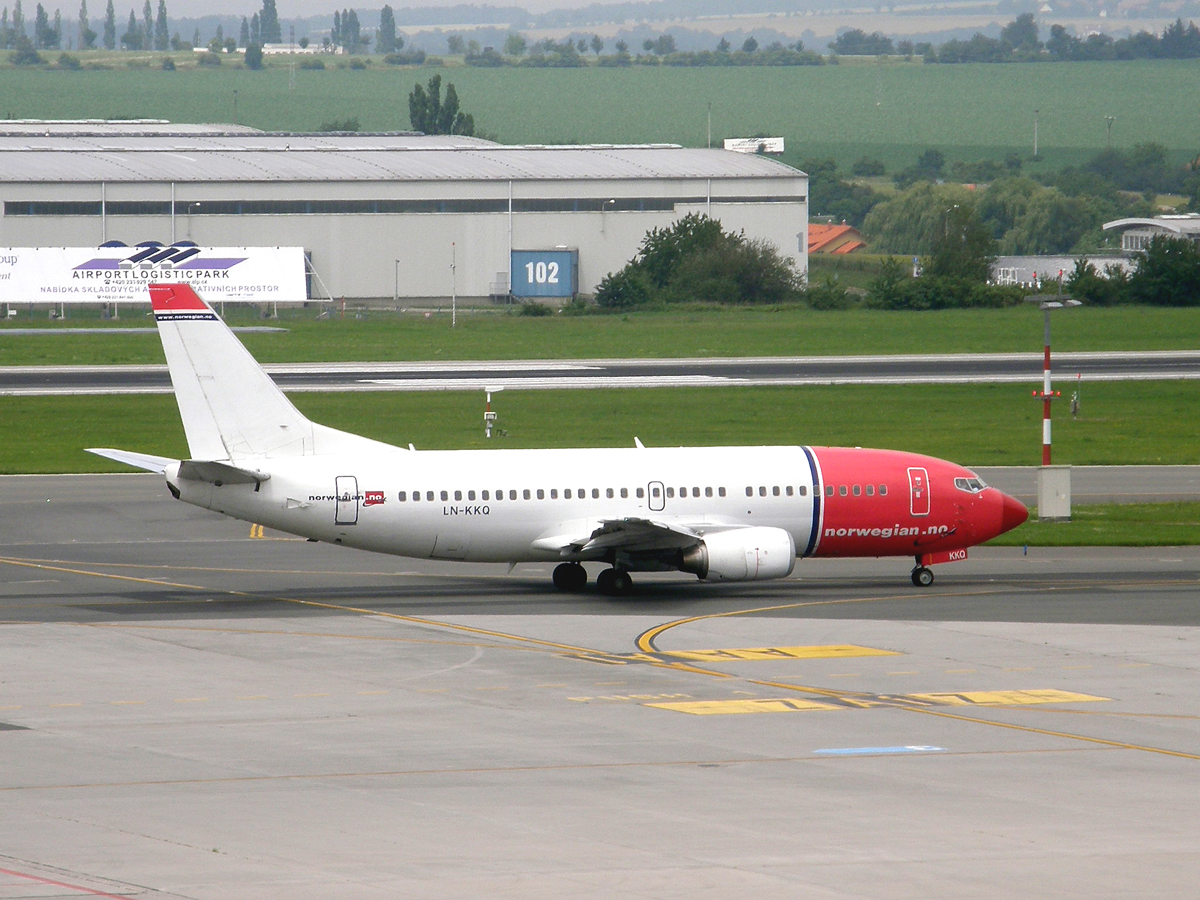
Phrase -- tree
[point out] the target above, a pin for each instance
(269, 23)
(132, 38)
(515, 44)
(385, 41)
(723, 45)
(110, 27)
(596, 44)
(254, 31)
(43, 34)
(749, 45)
(254, 57)
(622, 47)
(147, 26)
(1167, 273)
(455, 44)
(1021, 34)
(162, 33)
(965, 250)
(87, 37)
(910, 222)
(428, 113)
(244, 33)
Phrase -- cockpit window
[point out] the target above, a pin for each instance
(970, 485)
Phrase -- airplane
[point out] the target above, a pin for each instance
(724, 514)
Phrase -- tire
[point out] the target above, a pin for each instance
(922, 576)
(614, 582)
(570, 577)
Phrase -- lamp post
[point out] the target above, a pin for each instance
(1108, 120)
(1054, 486)
(396, 290)
(191, 206)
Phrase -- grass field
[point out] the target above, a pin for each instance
(1115, 525)
(977, 425)
(891, 110)
(691, 332)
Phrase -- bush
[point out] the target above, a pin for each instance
(67, 61)
(168, 65)
(533, 308)
(625, 289)
(341, 125)
(25, 55)
(208, 58)
(828, 295)
(407, 58)
(358, 64)
(868, 167)
(310, 63)
(254, 57)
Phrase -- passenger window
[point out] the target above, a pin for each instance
(487, 495)
(470, 495)
(870, 490)
(857, 490)
(581, 493)
(762, 491)
(429, 495)
(670, 493)
(708, 492)
(541, 494)
(512, 495)
(829, 490)
(775, 491)
(883, 490)
(458, 495)
(720, 492)
(842, 492)
(695, 492)
(788, 490)
(624, 493)
(749, 492)
(608, 493)
(654, 492)
(525, 494)
(553, 493)
(403, 496)
(595, 493)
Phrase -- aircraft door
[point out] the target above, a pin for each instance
(658, 498)
(346, 489)
(918, 487)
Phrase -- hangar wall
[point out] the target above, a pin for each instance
(379, 213)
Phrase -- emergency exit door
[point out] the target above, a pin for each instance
(346, 489)
(918, 491)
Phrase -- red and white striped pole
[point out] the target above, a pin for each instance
(1046, 395)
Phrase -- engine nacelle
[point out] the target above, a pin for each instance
(742, 554)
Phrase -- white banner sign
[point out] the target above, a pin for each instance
(120, 274)
(755, 145)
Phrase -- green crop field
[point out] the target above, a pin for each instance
(891, 109)
(775, 331)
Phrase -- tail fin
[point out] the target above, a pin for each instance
(231, 409)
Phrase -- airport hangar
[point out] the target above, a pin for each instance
(384, 216)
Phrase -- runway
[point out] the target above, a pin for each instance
(186, 711)
(622, 373)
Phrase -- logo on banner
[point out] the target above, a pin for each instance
(150, 263)
(373, 498)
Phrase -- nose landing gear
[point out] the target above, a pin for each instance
(922, 576)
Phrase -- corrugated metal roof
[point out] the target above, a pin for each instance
(182, 154)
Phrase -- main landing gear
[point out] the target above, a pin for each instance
(573, 577)
(922, 576)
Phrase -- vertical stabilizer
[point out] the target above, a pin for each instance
(230, 407)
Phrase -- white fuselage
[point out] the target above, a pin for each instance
(495, 506)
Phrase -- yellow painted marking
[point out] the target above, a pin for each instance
(126, 702)
(191, 699)
(1134, 666)
(256, 531)
(255, 697)
(1006, 698)
(607, 683)
(913, 672)
(497, 688)
(552, 685)
(10, 707)
(844, 675)
(742, 707)
(63, 705)
(310, 695)
(1076, 667)
(1020, 669)
(624, 698)
(829, 651)
(371, 693)
(958, 671)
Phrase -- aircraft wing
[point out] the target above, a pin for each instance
(629, 535)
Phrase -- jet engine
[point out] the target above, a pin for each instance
(742, 554)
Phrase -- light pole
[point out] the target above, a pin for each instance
(1035, 126)
(1108, 120)
(604, 207)
(1054, 487)
(396, 290)
(191, 206)
(453, 288)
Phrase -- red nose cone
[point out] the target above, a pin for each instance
(1012, 514)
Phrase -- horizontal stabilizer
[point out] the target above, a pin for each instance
(219, 473)
(139, 460)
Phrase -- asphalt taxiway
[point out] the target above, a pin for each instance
(189, 711)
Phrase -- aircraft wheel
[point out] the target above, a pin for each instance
(570, 577)
(614, 582)
(922, 576)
